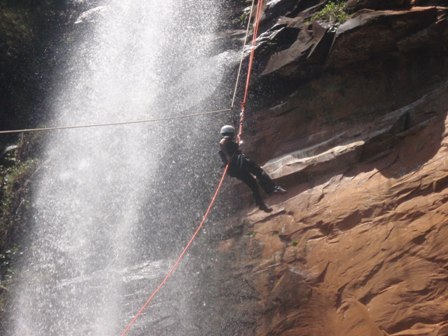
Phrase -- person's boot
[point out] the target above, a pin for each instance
(262, 206)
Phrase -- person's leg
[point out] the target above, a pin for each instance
(265, 181)
(250, 181)
(252, 184)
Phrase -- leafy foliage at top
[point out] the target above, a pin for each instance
(333, 12)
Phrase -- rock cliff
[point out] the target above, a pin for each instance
(351, 118)
(33, 35)
(349, 113)
(33, 40)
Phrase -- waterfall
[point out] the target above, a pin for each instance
(113, 205)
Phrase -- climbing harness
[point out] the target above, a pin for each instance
(218, 188)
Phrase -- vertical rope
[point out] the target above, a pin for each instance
(242, 54)
(249, 70)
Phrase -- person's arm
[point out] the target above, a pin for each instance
(224, 145)
(223, 158)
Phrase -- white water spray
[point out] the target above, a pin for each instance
(108, 199)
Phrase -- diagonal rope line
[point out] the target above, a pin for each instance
(179, 259)
(130, 122)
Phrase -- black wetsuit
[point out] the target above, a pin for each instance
(244, 169)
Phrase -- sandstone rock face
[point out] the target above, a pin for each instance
(352, 120)
(369, 242)
(358, 246)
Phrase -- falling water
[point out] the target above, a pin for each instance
(112, 205)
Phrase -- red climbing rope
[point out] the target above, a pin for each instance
(218, 188)
(250, 66)
(179, 259)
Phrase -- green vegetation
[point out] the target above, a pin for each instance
(15, 27)
(30, 33)
(251, 234)
(14, 201)
(12, 180)
(5, 266)
(241, 21)
(21, 23)
(333, 12)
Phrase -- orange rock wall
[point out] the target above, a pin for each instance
(360, 253)
(359, 244)
(364, 253)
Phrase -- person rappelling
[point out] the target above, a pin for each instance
(244, 169)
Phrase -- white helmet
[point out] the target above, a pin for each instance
(227, 130)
